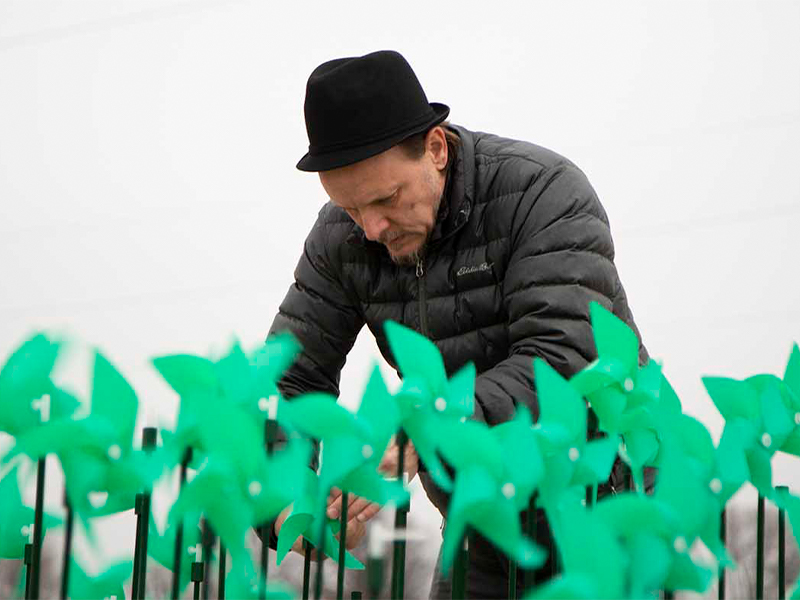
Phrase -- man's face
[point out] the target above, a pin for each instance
(393, 198)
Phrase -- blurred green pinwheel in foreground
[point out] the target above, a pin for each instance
(16, 519)
(627, 400)
(96, 451)
(497, 470)
(352, 446)
(759, 420)
(304, 520)
(592, 559)
(247, 382)
(161, 546)
(427, 399)
(108, 584)
(28, 397)
(570, 462)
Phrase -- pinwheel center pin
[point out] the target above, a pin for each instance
(440, 404)
(797, 418)
(98, 499)
(366, 451)
(254, 489)
(629, 384)
(574, 454)
(270, 406)
(715, 485)
(766, 440)
(114, 452)
(680, 544)
(27, 532)
(42, 406)
(509, 490)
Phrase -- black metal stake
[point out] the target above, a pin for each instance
(530, 531)
(197, 578)
(306, 567)
(321, 550)
(36, 557)
(723, 535)
(208, 544)
(142, 508)
(270, 435)
(27, 561)
(760, 550)
(223, 555)
(67, 548)
(781, 548)
(400, 522)
(512, 580)
(342, 548)
(374, 576)
(178, 553)
(459, 584)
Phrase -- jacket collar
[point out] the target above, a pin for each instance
(457, 198)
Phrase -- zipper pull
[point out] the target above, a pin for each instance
(420, 268)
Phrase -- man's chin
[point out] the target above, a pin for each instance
(405, 260)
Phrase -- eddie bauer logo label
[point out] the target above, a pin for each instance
(474, 269)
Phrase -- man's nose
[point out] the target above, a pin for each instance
(375, 224)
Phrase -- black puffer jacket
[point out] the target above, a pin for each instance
(521, 247)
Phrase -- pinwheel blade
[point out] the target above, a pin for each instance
(416, 355)
(189, 375)
(114, 400)
(613, 338)
(733, 398)
(558, 401)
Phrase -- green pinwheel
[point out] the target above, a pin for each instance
(96, 451)
(217, 493)
(249, 382)
(304, 520)
(351, 462)
(497, 470)
(161, 546)
(427, 398)
(657, 551)
(16, 525)
(108, 584)
(757, 423)
(25, 379)
(627, 400)
(352, 444)
(569, 460)
(238, 486)
(592, 559)
(689, 485)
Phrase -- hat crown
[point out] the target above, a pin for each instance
(350, 101)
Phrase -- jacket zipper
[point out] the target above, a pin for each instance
(423, 315)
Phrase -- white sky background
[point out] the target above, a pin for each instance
(149, 202)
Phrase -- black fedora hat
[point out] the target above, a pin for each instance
(358, 107)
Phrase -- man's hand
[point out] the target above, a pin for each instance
(361, 509)
(355, 533)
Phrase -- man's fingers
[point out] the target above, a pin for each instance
(334, 503)
(370, 511)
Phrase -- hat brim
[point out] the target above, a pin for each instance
(342, 158)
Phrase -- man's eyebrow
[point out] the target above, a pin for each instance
(382, 198)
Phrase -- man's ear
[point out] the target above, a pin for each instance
(436, 145)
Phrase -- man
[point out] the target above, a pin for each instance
(492, 248)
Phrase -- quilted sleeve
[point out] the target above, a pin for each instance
(561, 259)
(319, 312)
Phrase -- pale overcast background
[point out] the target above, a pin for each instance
(149, 202)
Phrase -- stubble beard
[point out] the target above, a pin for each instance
(415, 257)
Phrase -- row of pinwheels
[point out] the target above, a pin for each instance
(629, 545)
(634, 544)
